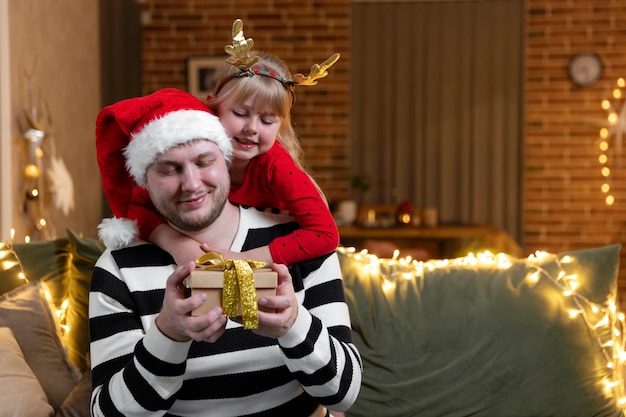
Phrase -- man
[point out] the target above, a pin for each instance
(150, 356)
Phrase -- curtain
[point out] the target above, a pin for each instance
(437, 107)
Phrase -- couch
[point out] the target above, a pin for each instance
(482, 335)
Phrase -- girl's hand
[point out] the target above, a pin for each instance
(257, 254)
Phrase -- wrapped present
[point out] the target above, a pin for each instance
(234, 284)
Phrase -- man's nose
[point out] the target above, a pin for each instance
(191, 179)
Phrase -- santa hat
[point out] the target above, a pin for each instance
(131, 134)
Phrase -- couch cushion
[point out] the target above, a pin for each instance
(77, 403)
(439, 339)
(11, 274)
(20, 392)
(84, 254)
(47, 261)
(28, 314)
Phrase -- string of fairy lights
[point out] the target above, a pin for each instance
(604, 322)
(611, 138)
(11, 266)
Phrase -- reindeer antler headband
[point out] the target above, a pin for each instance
(239, 58)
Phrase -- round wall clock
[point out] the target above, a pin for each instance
(585, 69)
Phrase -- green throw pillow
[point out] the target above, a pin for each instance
(84, 254)
(10, 269)
(482, 340)
(47, 261)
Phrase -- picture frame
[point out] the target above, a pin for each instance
(202, 74)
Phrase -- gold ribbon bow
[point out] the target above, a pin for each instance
(238, 284)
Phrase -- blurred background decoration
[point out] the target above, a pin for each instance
(47, 183)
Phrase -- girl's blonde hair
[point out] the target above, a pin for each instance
(271, 93)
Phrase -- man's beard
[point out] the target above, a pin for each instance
(188, 224)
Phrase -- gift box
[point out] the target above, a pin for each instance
(211, 283)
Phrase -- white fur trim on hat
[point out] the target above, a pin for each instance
(172, 129)
(117, 233)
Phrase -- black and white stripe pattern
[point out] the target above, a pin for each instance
(138, 371)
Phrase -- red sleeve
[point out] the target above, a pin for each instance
(318, 234)
(143, 211)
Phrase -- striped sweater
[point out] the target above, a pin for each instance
(137, 371)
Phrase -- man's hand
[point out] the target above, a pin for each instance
(277, 324)
(175, 320)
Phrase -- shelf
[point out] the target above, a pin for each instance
(446, 239)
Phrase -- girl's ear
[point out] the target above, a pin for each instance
(210, 97)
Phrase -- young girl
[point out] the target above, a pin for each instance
(253, 102)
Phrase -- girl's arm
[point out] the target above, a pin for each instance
(318, 233)
(273, 180)
(154, 229)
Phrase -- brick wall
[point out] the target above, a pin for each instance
(564, 206)
(302, 33)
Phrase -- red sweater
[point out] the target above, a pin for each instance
(272, 180)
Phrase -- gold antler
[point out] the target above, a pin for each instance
(317, 71)
(240, 47)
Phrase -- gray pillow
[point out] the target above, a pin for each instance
(28, 314)
(20, 391)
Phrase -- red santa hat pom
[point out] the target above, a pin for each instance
(130, 135)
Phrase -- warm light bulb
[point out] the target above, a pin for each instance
(604, 145)
(573, 313)
(31, 171)
(32, 194)
(602, 159)
(534, 277)
(6, 265)
(606, 104)
(605, 188)
(617, 93)
(606, 172)
(609, 200)
(604, 133)
(388, 285)
(612, 118)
